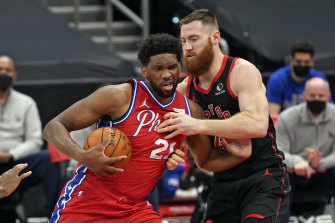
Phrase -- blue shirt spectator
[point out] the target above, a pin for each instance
(285, 85)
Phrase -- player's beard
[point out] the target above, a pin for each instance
(202, 62)
(160, 93)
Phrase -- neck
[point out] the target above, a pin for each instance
(206, 79)
(4, 95)
(163, 100)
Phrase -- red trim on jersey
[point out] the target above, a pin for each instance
(228, 79)
(189, 81)
(254, 216)
(273, 147)
(215, 78)
(278, 209)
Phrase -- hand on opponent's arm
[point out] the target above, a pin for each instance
(205, 156)
(178, 123)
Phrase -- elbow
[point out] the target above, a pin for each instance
(261, 129)
(201, 165)
(244, 153)
(46, 130)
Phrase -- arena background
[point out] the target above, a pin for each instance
(59, 65)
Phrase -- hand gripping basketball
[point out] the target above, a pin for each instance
(119, 144)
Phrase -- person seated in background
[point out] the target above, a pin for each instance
(10, 179)
(21, 139)
(285, 85)
(306, 134)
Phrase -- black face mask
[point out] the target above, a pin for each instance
(316, 107)
(301, 71)
(5, 82)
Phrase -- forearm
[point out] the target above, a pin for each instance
(221, 161)
(59, 137)
(239, 126)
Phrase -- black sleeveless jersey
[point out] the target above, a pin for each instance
(219, 102)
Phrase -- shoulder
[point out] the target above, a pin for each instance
(115, 95)
(293, 112)
(280, 74)
(242, 64)
(242, 71)
(316, 73)
(331, 107)
(18, 96)
(118, 90)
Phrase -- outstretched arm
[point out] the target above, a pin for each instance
(10, 179)
(83, 114)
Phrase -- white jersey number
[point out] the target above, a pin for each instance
(164, 146)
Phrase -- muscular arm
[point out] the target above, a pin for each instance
(111, 100)
(252, 120)
(211, 159)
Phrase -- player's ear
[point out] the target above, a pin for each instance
(216, 36)
(144, 72)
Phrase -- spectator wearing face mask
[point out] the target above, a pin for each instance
(21, 142)
(306, 134)
(285, 85)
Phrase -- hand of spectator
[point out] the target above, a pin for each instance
(96, 160)
(10, 179)
(314, 157)
(302, 168)
(177, 157)
(4, 157)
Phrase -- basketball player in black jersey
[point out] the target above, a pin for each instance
(232, 95)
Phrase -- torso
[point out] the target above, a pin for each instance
(219, 102)
(149, 149)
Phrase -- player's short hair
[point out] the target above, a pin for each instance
(204, 15)
(159, 44)
(302, 47)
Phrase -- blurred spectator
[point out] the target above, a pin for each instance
(10, 179)
(21, 139)
(166, 187)
(306, 134)
(285, 85)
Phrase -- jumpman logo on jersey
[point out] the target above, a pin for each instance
(144, 103)
(267, 172)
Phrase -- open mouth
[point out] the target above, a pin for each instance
(168, 85)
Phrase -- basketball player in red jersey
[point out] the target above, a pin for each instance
(136, 108)
(232, 95)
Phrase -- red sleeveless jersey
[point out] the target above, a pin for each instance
(150, 150)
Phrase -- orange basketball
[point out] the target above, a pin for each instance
(119, 145)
